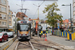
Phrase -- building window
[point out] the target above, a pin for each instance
(3, 16)
(9, 22)
(3, 23)
(3, 9)
(3, 2)
(9, 17)
(9, 13)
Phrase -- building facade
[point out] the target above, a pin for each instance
(10, 19)
(74, 9)
(66, 23)
(4, 15)
(13, 19)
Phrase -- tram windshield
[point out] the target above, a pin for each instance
(24, 27)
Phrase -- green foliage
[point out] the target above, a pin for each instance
(52, 16)
(18, 19)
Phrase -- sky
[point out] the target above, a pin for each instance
(32, 11)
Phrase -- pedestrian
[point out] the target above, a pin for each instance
(46, 32)
(40, 35)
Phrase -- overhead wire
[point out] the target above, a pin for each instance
(42, 3)
(35, 13)
(38, 6)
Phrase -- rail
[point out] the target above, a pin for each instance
(29, 45)
(32, 45)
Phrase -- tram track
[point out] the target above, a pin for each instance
(27, 45)
(35, 44)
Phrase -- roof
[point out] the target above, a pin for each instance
(20, 14)
(66, 21)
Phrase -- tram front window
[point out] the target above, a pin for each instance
(24, 27)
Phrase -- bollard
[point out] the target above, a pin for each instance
(64, 33)
(61, 33)
(68, 36)
(74, 35)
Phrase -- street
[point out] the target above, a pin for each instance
(37, 24)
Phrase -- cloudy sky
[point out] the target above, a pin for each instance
(32, 11)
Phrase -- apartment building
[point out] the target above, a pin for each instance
(13, 19)
(74, 10)
(3, 14)
(10, 19)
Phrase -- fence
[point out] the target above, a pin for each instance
(68, 34)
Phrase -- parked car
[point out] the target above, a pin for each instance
(3, 37)
(10, 34)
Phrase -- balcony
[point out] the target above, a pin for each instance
(3, 4)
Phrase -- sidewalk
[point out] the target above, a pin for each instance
(61, 40)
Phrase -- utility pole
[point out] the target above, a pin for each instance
(70, 15)
(21, 5)
(71, 18)
(23, 8)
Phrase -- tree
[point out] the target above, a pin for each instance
(52, 16)
(18, 19)
(42, 21)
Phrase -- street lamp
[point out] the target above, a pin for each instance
(70, 14)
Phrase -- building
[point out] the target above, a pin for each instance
(13, 19)
(10, 18)
(34, 21)
(20, 15)
(74, 9)
(3, 15)
(66, 23)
